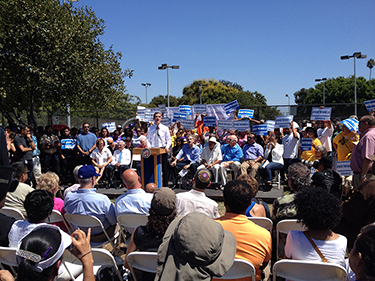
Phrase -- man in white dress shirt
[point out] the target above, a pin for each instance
(158, 136)
(121, 158)
(195, 200)
(211, 157)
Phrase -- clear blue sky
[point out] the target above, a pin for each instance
(273, 47)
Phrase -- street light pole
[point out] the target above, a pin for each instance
(324, 94)
(355, 55)
(200, 91)
(146, 85)
(165, 66)
(288, 103)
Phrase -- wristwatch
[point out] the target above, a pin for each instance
(364, 176)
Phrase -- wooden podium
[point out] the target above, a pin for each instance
(151, 168)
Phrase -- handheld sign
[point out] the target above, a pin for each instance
(209, 121)
(241, 125)
(110, 126)
(149, 115)
(283, 121)
(185, 109)
(370, 105)
(166, 121)
(351, 124)
(177, 116)
(306, 144)
(321, 113)
(141, 114)
(225, 125)
(270, 125)
(343, 167)
(187, 124)
(162, 108)
(68, 143)
(260, 130)
(200, 108)
(232, 106)
(245, 113)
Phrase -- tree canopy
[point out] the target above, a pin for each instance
(51, 55)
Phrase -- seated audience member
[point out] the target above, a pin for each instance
(39, 254)
(255, 209)
(344, 143)
(232, 154)
(85, 201)
(309, 154)
(151, 187)
(16, 198)
(149, 237)
(121, 158)
(320, 212)
(284, 207)
(142, 142)
(190, 152)
(135, 200)
(129, 145)
(273, 161)
(75, 186)
(362, 256)
(111, 145)
(196, 200)
(326, 178)
(38, 205)
(253, 241)
(320, 151)
(201, 254)
(211, 157)
(252, 154)
(101, 158)
(358, 210)
(175, 150)
(50, 182)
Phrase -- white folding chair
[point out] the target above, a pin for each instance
(55, 217)
(8, 257)
(12, 212)
(86, 221)
(240, 269)
(130, 222)
(144, 261)
(284, 227)
(263, 222)
(298, 270)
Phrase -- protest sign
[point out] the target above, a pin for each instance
(162, 108)
(351, 124)
(177, 116)
(187, 124)
(370, 105)
(166, 121)
(111, 126)
(283, 121)
(343, 168)
(149, 115)
(225, 125)
(306, 144)
(260, 130)
(68, 143)
(270, 125)
(245, 113)
(232, 106)
(185, 109)
(200, 108)
(241, 125)
(318, 113)
(209, 121)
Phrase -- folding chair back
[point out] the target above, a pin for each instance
(284, 227)
(12, 212)
(130, 222)
(263, 222)
(144, 261)
(8, 257)
(308, 270)
(55, 217)
(240, 269)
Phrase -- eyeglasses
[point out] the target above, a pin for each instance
(86, 126)
(251, 138)
(231, 139)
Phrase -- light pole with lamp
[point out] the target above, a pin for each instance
(200, 91)
(324, 94)
(288, 103)
(146, 85)
(355, 55)
(166, 66)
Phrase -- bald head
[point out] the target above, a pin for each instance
(151, 187)
(131, 179)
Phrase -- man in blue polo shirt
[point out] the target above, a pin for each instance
(253, 154)
(232, 154)
(86, 143)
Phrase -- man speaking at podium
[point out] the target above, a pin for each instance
(158, 136)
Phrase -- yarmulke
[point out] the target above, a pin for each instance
(204, 176)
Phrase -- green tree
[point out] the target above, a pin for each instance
(370, 64)
(51, 55)
(160, 99)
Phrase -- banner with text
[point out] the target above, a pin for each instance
(306, 144)
(209, 121)
(370, 105)
(111, 126)
(200, 108)
(343, 167)
(283, 121)
(185, 109)
(225, 125)
(245, 113)
(260, 130)
(162, 108)
(270, 125)
(232, 106)
(166, 121)
(241, 125)
(177, 116)
(318, 113)
(187, 124)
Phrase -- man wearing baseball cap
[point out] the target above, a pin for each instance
(85, 201)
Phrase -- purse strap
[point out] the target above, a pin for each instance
(315, 247)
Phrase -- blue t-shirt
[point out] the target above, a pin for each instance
(86, 142)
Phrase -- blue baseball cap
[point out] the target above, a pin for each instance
(86, 172)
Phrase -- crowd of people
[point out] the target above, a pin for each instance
(239, 162)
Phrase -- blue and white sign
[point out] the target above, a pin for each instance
(343, 167)
(318, 113)
(270, 125)
(283, 121)
(351, 124)
(225, 125)
(177, 116)
(166, 121)
(209, 121)
(141, 113)
(232, 106)
(111, 126)
(370, 105)
(306, 144)
(149, 115)
(185, 109)
(260, 130)
(187, 124)
(200, 108)
(68, 143)
(162, 108)
(241, 125)
(245, 113)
